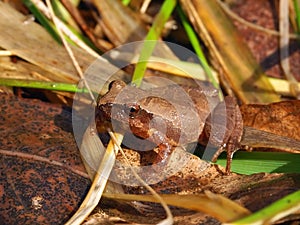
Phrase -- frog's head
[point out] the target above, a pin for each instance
(114, 89)
(118, 104)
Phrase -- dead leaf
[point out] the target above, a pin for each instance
(281, 118)
(42, 178)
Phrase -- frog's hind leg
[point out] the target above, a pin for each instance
(233, 144)
(234, 131)
(218, 153)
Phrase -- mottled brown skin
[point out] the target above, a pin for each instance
(150, 114)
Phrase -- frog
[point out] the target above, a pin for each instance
(171, 116)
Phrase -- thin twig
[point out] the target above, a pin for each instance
(70, 52)
(145, 6)
(284, 47)
(43, 159)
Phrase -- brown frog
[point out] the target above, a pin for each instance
(171, 116)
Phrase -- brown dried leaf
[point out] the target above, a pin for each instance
(42, 178)
(281, 118)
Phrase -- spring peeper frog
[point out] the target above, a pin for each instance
(171, 116)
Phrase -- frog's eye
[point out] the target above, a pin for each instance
(133, 109)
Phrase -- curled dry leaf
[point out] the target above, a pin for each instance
(281, 118)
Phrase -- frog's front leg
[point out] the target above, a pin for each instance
(164, 146)
(164, 151)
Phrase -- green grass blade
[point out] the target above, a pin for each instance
(297, 11)
(52, 30)
(269, 162)
(273, 212)
(53, 86)
(126, 2)
(61, 12)
(150, 40)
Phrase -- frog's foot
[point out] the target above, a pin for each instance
(228, 159)
(230, 148)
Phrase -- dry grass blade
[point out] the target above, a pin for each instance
(145, 5)
(195, 70)
(100, 179)
(230, 54)
(37, 46)
(281, 86)
(70, 52)
(65, 29)
(284, 47)
(113, 13)
(92, 151)
(21, 70)
(212, 204)
(74, 12)
(5, 53)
